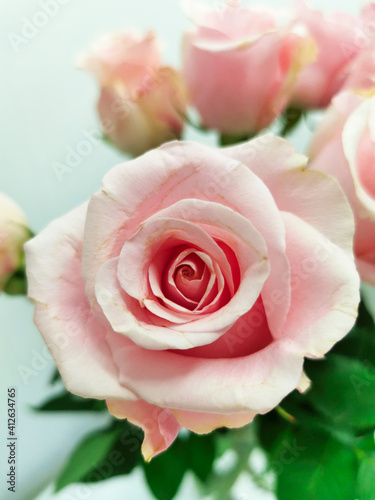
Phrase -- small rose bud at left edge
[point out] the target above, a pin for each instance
(14, 232)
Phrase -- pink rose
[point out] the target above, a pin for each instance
(361, 74)
(241, 66)
(13, 234)
(344, 146)
(340, 38)
(141, 102)
(191, 287)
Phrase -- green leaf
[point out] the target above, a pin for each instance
(92, 450)
(201, 454)
(270, 430)
(366, 478)
(70, 402)
(343, 390)
(314, 466)
(229, 140)
(305, 415)
(360, 342)
(123, 456)
(17, 283)
(365, 319)
(56, 377)
(290, 120)
(165, 472)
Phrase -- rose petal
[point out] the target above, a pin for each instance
(318, 264)
(249, 334)
(159, 424)
(249, 384)
(296, 189)
(62, 312)
(352, 136)
(155, 234)
(134, 191)
(203, 423)
(127, 317)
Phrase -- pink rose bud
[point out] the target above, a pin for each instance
(241, 64)
(344, 146)
(141, 103)
(340, 38)
(13, 234)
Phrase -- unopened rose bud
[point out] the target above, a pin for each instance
(13, 234)
(141, 103)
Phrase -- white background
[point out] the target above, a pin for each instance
(47, 106)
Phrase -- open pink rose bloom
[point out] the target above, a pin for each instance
(189, 290)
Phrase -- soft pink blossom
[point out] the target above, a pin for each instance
(189, 290)
(241, 64)
(344, 146)
(141, 103)
(340, 39)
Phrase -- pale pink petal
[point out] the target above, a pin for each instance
(159, 424)
(75, 338)
(324, 277)
(203, 423)
(272, 55)
(362, 71)
(330, 128)
(315, 198)
(336, 36)
(128, 57)
(358, 124)
(249, 384)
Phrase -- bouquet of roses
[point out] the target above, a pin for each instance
(208, 298)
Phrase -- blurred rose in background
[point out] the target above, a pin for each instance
(241, 65)
(13, 234)
(340, 39)
(344, 146)
(142, 103)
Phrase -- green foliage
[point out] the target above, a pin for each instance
(344, 391)
(316, 467)
(230, 140)
(165, 472)
(56, 377)
(103, 454)
(201, 455)
(17, 283)
(69, 402)
(366, 478)
(321, 445)
(123, 456)
(93, 449)
(290, 119)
